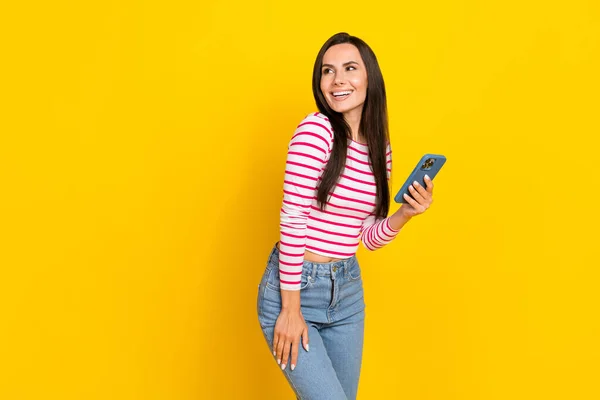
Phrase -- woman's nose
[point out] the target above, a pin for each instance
(339, 79)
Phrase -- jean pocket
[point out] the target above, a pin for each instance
(273, 280)
(354, 272)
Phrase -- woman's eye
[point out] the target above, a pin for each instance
(327, 70)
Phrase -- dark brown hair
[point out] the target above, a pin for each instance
(373, 125)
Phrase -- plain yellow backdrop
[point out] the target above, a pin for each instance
(142, 152)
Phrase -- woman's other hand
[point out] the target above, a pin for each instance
(289, 327)
(421, 198)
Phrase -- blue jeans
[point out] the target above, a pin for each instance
(332, 303)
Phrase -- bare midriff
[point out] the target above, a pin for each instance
(312, 257)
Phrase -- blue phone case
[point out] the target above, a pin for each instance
(430, 164)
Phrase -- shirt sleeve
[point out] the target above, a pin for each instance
(308, 153)
(377, 232)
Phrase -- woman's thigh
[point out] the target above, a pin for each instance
(343, 341)
(343, 336)
(314, 376)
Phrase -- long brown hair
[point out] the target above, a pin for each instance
(373, 125)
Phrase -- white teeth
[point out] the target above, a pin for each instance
(342, 93)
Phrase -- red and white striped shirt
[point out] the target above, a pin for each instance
(348, 216)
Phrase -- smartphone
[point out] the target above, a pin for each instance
(430, 164)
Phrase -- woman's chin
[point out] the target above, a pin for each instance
(345, 110)
(339, 108)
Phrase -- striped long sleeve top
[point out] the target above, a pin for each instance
(348, 216)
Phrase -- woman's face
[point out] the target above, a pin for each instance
(344, 79)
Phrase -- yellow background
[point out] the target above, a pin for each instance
(141, 161)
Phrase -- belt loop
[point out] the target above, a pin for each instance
(314, 271)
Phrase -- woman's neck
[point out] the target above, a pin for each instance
(353, 120)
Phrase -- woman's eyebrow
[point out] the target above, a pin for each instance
(344, 64)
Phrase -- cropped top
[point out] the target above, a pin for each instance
(348, 216)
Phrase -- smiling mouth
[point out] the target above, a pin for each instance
(342, 95)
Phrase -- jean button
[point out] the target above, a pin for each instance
(334, 268)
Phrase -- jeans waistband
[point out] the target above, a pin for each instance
(318, 268)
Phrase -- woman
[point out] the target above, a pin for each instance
(335, 195)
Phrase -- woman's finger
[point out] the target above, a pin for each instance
(416, 195)
(426, 199)
(410, 200)
(294, 359)
(305, 338)
(286, 352)
(418, 208)
(275, 342)
(429, 183)
(279, 348)
(421, 190)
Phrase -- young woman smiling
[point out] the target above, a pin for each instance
(335, 195)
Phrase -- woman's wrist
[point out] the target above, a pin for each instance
(398, 219)
(290, 300)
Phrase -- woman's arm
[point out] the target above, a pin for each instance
(308, 153)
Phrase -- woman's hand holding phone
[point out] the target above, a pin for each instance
(421, 198)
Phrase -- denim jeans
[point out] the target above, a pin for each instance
(332, 303)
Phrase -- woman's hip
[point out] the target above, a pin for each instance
(329, 292)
